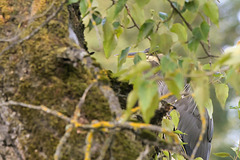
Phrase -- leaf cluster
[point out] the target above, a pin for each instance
(179, 35)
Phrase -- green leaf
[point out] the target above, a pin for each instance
(148, 98)
(221, 91)
(190, 16)
(175, 117)
(122, 58)
(178, 157)
(198, 158)
(137, 58)
(207, 67)
(204, 30)
(118, 29)
(72, 1)
(167, 64)
(239, 118)
(176, 5)
(145, 30)
(135, 70)
(179, 132)
(201, 33)
(211, 10)
(116, 25)
(200, 85)
(138, 14)
(83, 7)
(192, 6)
(167, 124)
(237, 151)
(125, 20)
(162, 43)
(119, 6)
(197, 33)
(236, 107)
(209, 107)
(132, 99)
(233, 78)
(193, 44)
(96, 16)
(114, 11)
(231, 56)
(222, 60)
(109, 42)
(142, 3)
(180, 2)
(222, 154)
(180, 30)
(175, 83)
(163, 16)
(166, 153)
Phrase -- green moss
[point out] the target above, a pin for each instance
(33, 73)
(124, 142)
(98, 104)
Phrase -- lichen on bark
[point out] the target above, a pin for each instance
(35, 72)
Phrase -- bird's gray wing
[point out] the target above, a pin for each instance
(190, 123)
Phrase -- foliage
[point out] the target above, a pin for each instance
(179, 34)
(224, 154)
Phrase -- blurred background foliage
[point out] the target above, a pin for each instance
(226, 122)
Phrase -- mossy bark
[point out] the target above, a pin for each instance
(35, 72)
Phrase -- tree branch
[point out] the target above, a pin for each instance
(190, 28)
(41, 108)
(129, 14)
(36, 30)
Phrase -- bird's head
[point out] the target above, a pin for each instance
(153, 57)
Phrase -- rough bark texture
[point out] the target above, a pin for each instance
(48, 69)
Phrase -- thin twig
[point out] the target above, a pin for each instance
(208, 41)
(144, 153)
(94, 24)
(113, 100)
(129, 14)
(184, 20)
(82, 99)
(127, 125)
(166, 20)
(36, 30)
(113, 3)
(62, 141)
(77, 113)
(89, 140)
(106, 145)
(208, 56)
(134, 22)
(190, 28)
(131, 27)
(15, 37)
(41, 107)
(203, 130)
(238, 151)
(69, 127)
(42, 14)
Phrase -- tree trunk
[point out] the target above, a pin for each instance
(46, 68)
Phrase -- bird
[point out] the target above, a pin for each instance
(189, 121)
